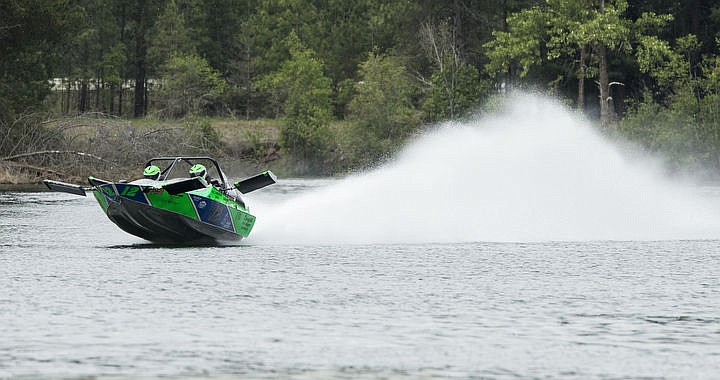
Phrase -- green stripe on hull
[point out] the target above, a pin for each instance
(101, 200)
(180, 203)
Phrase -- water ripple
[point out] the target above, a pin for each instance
(83, 299)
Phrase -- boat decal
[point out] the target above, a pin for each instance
(132, 192)
(243, 221)
(109, 192)
(213, 212)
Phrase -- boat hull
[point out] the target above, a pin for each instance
(203, 215)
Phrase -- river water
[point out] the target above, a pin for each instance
(524, 246)
(79, 297)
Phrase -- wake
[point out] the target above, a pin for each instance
(534, 172)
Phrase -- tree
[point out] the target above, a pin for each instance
(112, 70)
(188, 86)
(171, 36)
(345, 37)
(305, 93)
(585, 31)
(85, 46)
(272, 21)
(142, 17)
(383, 98)
(381, 108)
(33, 34)
(92, 51)
(678, 115)
(218, 26)
(455, 85)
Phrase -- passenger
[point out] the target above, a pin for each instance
(198, 170)
(152, 172)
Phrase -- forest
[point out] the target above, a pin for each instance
(324, 87)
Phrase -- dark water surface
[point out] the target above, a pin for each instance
(79, 297)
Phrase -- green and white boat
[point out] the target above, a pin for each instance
(189, 200)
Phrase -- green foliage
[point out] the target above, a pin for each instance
(360, 149)
(299, 82)
(454, 86)
(383, 98)
(559, 30)
(684, 125)
(454, 93)
(344, 92)
(393, 23)
(345, 36)
(200, 55)
(305, 93)
(218, 27)
(112, 64)
(711, 67)
(381, 109)
(685, 132)
(33, 35)
(651, 23)
(609, 27)
(656, 58)
(171, 36)
(576, 34)
(188, 85)
(272, 21)
(520, 45)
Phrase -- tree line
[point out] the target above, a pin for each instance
(647, 70)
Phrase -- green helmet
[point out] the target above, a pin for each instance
(198, 170)
(152, 172)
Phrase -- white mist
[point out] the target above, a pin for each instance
(533, 173)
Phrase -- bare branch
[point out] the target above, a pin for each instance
(146, 134)
(53, 152)
(419, 77)
(8, 27)
(38, 169)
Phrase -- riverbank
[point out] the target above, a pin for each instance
(75, 148)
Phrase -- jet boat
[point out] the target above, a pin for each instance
(173, 207)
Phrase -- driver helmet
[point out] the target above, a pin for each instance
(152, 172)
(198, 170)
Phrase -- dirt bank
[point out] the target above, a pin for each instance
(105, 147)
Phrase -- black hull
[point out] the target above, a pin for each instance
(162, 226)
